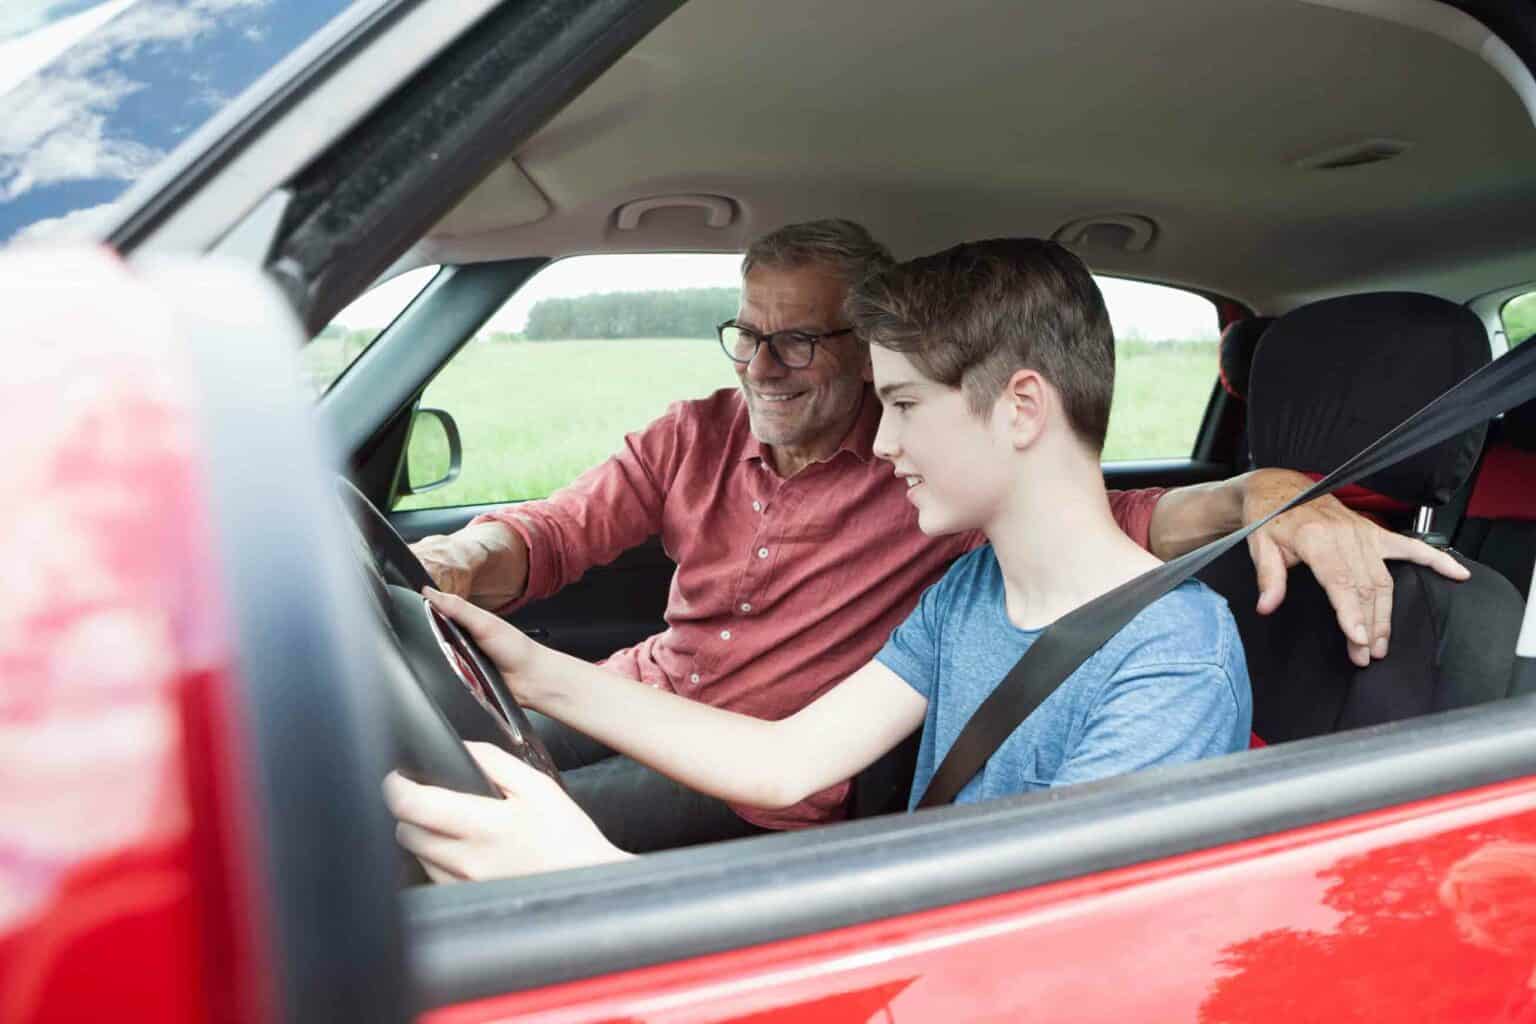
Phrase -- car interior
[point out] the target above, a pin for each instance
(1349, 184)
(1142, 193)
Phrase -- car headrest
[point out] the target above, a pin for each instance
(1520, 426)
(1239, 341)
(1332, 377)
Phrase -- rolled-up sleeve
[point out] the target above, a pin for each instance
(1133, 511)
(609, 509)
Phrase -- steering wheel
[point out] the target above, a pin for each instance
(442, 688)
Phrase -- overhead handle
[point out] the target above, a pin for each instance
(1129, 232)
(718, 211)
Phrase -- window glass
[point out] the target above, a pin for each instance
(349, 334)
(93, 95)
(596, 346)
(592, 348)
(1165, 366)
(1519, 316)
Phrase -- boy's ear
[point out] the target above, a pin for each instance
(1027, 400)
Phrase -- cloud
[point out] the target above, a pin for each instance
(153, 23)
(56, 126)
(21, 55)
(77, 225)
(18, 19)
(56, 132)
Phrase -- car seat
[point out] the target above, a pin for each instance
(1327, 380)
(1500, 525)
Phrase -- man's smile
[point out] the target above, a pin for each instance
(767, 396)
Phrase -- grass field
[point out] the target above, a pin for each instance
(1519, 318)
(532, 415)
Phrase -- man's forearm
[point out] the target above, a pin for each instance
(729, 756)
(1187, 517)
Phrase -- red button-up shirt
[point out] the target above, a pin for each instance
(783, 586)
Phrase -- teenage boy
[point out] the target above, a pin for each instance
(995, 365)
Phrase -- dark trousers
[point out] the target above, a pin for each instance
(638, 809)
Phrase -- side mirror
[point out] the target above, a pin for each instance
(433, 453)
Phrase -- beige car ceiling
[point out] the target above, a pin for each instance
(1194, 131)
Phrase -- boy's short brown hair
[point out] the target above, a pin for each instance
(972, 316)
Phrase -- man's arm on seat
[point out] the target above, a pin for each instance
(1344, 550)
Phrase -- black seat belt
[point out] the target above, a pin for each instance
(1076, 636)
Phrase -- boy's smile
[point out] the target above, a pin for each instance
(955, 467)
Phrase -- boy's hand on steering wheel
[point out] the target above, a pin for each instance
(457, 837)
(512, 652)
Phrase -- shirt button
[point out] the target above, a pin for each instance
(693, 678)
(762, 552)
(757, 506)
(746, 606)
(725, 634)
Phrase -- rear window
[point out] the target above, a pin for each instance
(1519, 318)
(94, 95)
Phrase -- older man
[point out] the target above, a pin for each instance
(796, 549)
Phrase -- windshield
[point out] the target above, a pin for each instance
(93, 95)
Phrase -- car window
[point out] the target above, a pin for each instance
(1165, 366)
(1519, 318)
(597, 346)
(93, 95)
(591, 348)
(351, 331)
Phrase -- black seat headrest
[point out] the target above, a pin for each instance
(1331, 377)
(1239, 341)
(1519, 426)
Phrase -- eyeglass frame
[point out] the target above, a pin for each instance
(811, 337)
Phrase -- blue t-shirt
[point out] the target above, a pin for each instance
(1171, 686)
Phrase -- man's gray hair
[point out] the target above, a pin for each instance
(842, 245)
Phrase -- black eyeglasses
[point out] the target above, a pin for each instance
(793, 349)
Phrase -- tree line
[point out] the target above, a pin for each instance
(683, 313)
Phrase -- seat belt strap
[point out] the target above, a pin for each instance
(1076, 636)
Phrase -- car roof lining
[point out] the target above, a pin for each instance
(400, 170)
(822, 111)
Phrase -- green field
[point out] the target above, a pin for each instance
(1519, 316)
(532, 415)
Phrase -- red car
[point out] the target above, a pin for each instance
(200, 690)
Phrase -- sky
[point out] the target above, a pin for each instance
(93, 96)
(24, 47)
(1137, 310)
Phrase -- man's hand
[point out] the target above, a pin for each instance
(1345, 551)
(485, 562)
(534, 827)
(450, 562)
